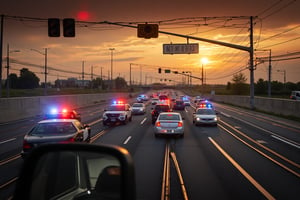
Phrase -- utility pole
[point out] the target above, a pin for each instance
(7, 71)
(251, 52)
(82, 75)
(45, 72)
(130, 74)
(1, 45)
(270, 73)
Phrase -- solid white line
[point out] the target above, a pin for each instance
(94, 122)
(142, 122)
(287, 142)
(127, 140)
(5, 141)
(243, 171)
(226, 115)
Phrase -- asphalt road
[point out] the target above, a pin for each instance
(247, 156)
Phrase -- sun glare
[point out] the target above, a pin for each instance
(204, 61)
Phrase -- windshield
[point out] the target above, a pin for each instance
(205, 112)
(163, 108)
(137, 105)
(116, 108)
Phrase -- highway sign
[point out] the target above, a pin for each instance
(191, 48)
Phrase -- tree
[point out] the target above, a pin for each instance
(120, 83)
(239, 85)
(261, 86)
(27, 79)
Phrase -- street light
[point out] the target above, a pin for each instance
(7, 76)
(111, 66)
(45, 54)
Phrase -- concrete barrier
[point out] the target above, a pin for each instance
(273, 105)
(13, 109)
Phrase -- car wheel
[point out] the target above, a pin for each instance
(89, 137)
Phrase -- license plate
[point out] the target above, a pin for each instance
(113, 120)
(170, 131)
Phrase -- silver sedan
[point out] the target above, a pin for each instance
(169, 123)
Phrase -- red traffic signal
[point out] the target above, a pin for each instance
(53, 27)
(159, 70)
(147, 31)
(69, 27)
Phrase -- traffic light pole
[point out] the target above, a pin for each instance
(234, 46)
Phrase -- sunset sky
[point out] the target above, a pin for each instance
(276, 28)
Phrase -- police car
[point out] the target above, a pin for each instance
(117, 112)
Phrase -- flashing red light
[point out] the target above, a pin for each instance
(64, 110)
(68, 141)
(83, 15)
(157, 124)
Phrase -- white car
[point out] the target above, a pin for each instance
(154, 101)
(169, 123)
(205, 116)
(138, 108)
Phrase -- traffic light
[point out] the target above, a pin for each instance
(175, 72)
(167, 71)
(159, 70)
(147, 31)
(69, 27)
(53, 27)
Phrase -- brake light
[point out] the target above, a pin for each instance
(157, 124)
(70, 140)
(180, 124)
(26, 145)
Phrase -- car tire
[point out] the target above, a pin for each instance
(89, 137)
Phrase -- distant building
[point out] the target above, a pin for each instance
(72, 82)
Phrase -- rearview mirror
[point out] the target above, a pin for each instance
(76, 171)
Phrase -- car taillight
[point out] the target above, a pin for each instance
(26, 145)
(157, 124)
(70, 140)
(180, 124)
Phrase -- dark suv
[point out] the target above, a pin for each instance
(158, 109)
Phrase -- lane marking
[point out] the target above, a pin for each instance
(95, 122)
(225, 114)
(242, 171)
(9, 140)
(287, 142)
(143, 121)
(127, 140)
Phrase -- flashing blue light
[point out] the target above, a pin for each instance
(209, 105)
(53, 111)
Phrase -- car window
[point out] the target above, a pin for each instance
(53, 128)
(169, 117)
(163, 108)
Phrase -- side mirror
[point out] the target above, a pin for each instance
(77, 171)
